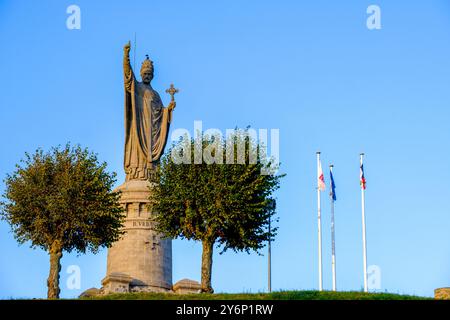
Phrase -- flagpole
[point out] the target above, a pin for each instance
(269, 268)
(364, 230)
(319, 224)
(333, 251)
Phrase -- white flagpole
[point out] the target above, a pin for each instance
(364, 230)
(319, 223)
(333, 251)
(269, 268)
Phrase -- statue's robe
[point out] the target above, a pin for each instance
(147, 125)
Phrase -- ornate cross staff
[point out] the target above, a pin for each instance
(172, 90)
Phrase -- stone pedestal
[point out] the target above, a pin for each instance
(442, 294)
(140, 254)
(116, 282)
(187, 286)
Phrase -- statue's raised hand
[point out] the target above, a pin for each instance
(127, 47)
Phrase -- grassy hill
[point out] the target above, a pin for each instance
(282, 295)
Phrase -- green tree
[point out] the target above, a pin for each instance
(61, 200)
(216, 203)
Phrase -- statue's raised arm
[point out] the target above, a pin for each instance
(128, 74)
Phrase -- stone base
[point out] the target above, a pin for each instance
(149, 289)
(89, 293)
(123, 283)
(116, 283)
(442, 294)
(141, 254)
(187, 286)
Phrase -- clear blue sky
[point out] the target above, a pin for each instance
(314, 71)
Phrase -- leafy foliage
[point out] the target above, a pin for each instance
(65, 196)
(230, 204)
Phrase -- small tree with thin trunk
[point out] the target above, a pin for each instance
(62, 200)
(217, 203)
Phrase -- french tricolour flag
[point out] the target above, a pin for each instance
(362, 180)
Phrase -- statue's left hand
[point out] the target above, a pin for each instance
(172, 105)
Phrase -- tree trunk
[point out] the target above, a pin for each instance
(207, 266)
(55, 253)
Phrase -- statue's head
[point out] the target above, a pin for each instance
(147, 71)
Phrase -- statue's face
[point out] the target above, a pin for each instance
(147, 77)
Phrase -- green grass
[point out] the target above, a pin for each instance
(281, 295)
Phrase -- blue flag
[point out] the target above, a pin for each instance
(333, 187)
